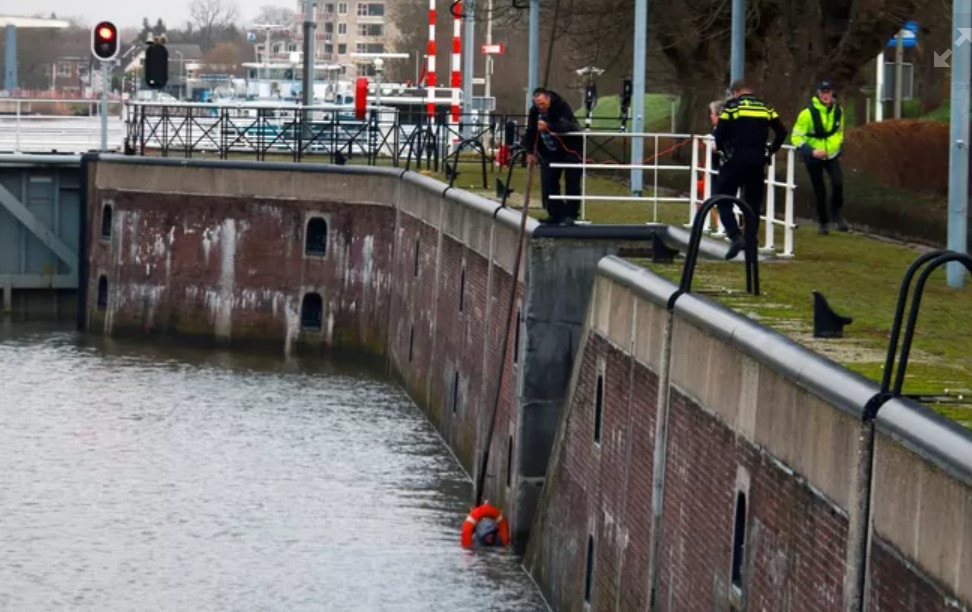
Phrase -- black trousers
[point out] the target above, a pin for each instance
(816, 171)
(550, 185)
(732, 177)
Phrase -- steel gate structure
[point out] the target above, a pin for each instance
(40, 225)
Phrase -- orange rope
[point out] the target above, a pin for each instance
(671, 149)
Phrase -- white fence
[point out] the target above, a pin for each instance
(24, 131)
(702, 146)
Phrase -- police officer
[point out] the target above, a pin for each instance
(819, 136)
(740, 138)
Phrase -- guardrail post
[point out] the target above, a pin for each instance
(788, 205)
(694, 181)
(770, 206)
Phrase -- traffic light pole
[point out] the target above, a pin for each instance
(104, 105)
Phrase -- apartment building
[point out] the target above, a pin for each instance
(345, 27)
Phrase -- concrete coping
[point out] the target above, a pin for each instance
(641, 282)
(938, 440)
(425, 182)
(243, 165)
(478, 203)
(17, 160)
(511, 218)
(826, 379)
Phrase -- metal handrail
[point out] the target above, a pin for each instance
(695, 171)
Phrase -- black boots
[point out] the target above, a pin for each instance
(736, 245)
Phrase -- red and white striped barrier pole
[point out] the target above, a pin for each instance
(430, 74)
(456, 81)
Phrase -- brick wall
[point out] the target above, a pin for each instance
(234, 269)
(222, 257)
(795, 546)
(224, 260)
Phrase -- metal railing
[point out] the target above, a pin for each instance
(693, 171)
(24, 130)
(773, 184)
(296, 131)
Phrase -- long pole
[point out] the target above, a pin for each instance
(104, 105)
(489, 40)
(958, 159)
(898, 74)
(461, 71)
(430, 80)
(468, 66)
(308, 81)
(737, 67)
(510, 316)
(533, 50)
(879, 88)
(638, 95)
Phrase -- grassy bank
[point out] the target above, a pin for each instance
(860, 275)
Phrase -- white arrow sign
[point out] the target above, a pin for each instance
(941, 59)
(965, 35)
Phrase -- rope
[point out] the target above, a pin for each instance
(510, 317)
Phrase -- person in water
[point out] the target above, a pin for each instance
(487, 533)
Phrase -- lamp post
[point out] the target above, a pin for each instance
(379, 72)
(182, 66)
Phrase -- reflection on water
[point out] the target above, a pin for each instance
(136, 477)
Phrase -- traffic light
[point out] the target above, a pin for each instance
(590, 97)
(104, 41)
(626, 89)
(156, 66)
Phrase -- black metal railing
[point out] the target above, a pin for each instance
(300, 133)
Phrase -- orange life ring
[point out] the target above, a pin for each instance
(481, 512)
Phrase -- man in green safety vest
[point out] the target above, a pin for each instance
(819, 136)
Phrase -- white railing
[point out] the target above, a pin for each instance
(770, 221)
(694, 171)
(23, 131)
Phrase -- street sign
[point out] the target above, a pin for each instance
(494, 49)
(907, 81)
(909, 35)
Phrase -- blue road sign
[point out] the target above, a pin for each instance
(909, 34)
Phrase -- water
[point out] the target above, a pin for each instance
(135, 477)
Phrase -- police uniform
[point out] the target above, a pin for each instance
(740, 138)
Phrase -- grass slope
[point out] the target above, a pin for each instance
(858, 273)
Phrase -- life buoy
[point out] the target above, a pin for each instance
(475, 515)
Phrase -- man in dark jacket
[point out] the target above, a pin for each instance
(550, 117)
(740, 138)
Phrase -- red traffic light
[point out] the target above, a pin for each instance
(104, 41)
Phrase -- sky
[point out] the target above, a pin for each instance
(128, 13)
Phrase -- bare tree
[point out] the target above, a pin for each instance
(211, 18)
(276, 15)
(224, 58)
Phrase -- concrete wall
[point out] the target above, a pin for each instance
(672, 414)
(745, 411)
(413, 270)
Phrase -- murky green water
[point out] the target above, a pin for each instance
(134, 477)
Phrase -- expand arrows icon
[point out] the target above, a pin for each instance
(941, 59)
